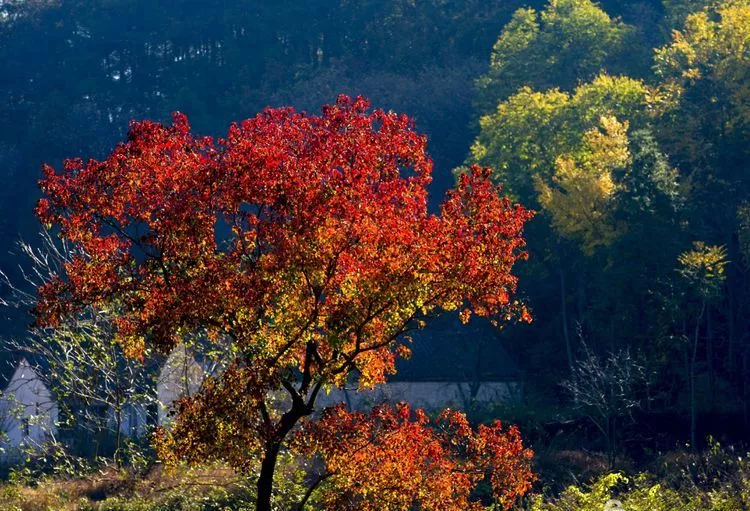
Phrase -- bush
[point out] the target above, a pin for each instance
(715, 480)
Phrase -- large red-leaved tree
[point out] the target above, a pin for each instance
(301, 242)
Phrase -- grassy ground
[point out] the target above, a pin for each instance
(204, 489)
(717, 479)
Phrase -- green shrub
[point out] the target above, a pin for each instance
(645, 493)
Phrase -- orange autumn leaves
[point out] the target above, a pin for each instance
(398, 459)
(293, 229)
(299, 244)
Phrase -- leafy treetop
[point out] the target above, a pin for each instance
(568, 42)
(303, 240)
(530, 130)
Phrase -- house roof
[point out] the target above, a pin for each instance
(446, 350)
(9, 363)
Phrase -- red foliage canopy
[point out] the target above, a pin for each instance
(327, 240)
(303, 242)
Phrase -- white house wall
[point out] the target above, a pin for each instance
(28, 413)
(181, 376)
(431, 396)
(28, 410)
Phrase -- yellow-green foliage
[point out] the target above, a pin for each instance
(704, 67)
(703, 268)
(643, 493)
(592, 498)
(207, 489)
(53, 497)
(562, 151)
(579, 199)
(713, 45)
(676, 11)
(531, 130)
(529, 52)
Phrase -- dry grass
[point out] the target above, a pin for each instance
(88, 493)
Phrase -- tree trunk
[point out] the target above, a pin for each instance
(710, 357)
(265, 480)
(564, 316)
(118, 439)
(693, 405)
(118, 427)
(581, 299)
(613, 444)
(731, 362)
(271, 454)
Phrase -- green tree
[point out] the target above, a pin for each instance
(677, 11)
(703, 272)
(530, 130)
(705, 69)
(600, 187)
(568, 42)
(581, 195)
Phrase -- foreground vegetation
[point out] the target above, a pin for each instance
(111, 490)
(718, 479)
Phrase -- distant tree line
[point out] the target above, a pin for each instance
(636, 158)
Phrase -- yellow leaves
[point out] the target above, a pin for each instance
(165, 446)
(450, 305)
(132, 345)
(707, 260)
(712, 46)
(692, 74)
(373, 367)
(531, 129)
(608, 147)
(583, 188)
(703, 268)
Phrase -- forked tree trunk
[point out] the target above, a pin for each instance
(271, 453)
